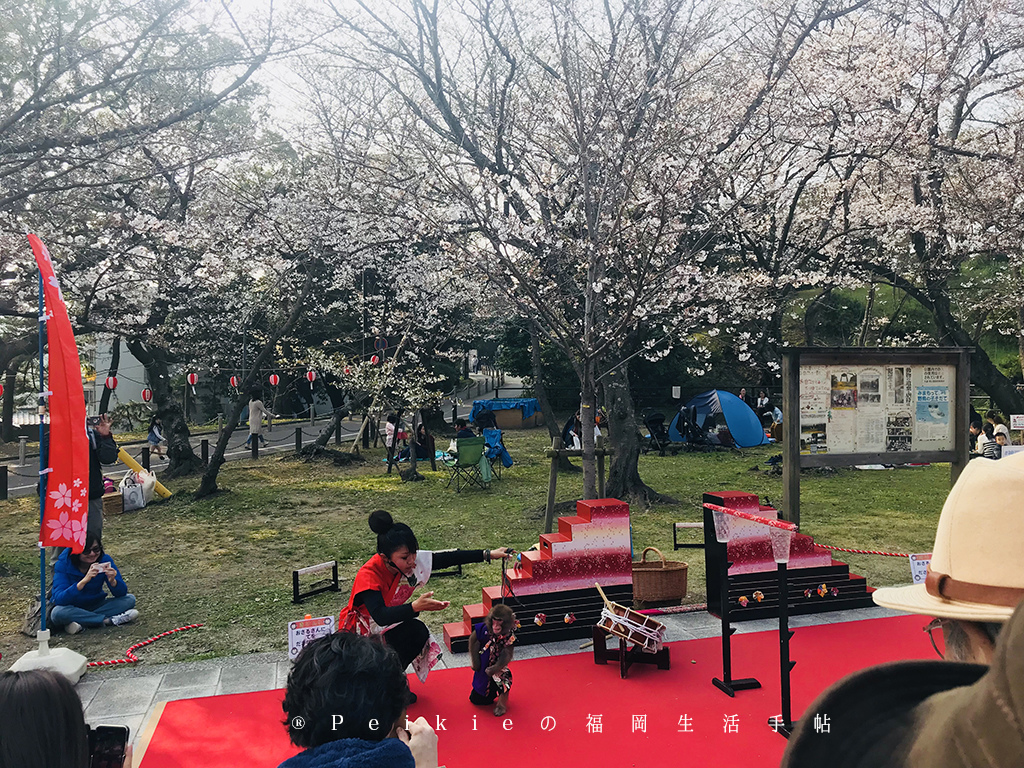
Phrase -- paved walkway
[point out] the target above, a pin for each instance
(22, 479)
(128, 695)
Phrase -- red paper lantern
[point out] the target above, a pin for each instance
(1, 390)
(234, 381)
(374, 360)
(348, 371)
(193, 378)
(147, 395)
(274, 379)
(311, 376)
(111, 382)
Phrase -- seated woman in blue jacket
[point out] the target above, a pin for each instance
(78, 597)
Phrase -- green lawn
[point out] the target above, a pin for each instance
(226, 562)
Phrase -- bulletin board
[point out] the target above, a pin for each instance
(872, 406)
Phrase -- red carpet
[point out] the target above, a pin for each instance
(243, 729)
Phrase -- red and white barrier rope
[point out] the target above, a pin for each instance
(791, 527)
(784, 525)
(130, 657)
(863, 551)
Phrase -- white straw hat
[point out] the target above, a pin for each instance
(977, 567)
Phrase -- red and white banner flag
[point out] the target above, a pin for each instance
(66, 513)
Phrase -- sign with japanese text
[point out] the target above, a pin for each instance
(301, 633)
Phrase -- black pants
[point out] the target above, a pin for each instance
(408, 639)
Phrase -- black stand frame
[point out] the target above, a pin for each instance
(331, 586)
(727, 684)
(784, 722)
(624, 655)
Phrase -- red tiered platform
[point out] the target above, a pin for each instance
(753, 568)
(558, 579)
(750, 550)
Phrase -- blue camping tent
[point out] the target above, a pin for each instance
(744, 426)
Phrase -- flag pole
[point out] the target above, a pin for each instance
(62, 660)
(43, 452)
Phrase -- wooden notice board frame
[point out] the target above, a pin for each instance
(795, 357)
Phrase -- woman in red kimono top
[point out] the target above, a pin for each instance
(388, 579)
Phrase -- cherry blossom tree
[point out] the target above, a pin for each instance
(578, 143)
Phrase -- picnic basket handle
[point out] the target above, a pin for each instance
(643, 557)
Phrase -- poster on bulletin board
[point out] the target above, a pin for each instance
(876, 409)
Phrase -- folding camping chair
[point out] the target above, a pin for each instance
(658, 439)
(464, 469)
(495, 451)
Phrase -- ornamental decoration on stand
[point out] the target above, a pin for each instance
(570, 618)
(540, 619)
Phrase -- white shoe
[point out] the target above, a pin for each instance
(124, 618)
(73, 628)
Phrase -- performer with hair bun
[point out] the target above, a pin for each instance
(388, 579)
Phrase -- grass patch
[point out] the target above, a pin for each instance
(226, 561)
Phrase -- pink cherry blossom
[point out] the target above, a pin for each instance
(61, 497)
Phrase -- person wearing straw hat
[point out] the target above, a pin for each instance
(966, 711)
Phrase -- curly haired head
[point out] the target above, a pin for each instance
(344, 686)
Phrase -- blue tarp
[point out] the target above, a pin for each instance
(744, 426)
(495, 449)
(529, 405)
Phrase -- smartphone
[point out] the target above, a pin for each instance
(107, 746)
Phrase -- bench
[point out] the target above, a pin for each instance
(676, 544)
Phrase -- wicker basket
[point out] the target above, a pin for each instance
(113, 503)
(658, 581)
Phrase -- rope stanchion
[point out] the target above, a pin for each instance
(130, 657)
(863, 551)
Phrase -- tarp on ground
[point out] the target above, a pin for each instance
(529, 406)
(743, 424)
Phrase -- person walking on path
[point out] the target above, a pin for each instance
(155, 437)
(257, 410)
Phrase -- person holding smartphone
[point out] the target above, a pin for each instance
(78, 597)
(43, 726)
(102, 450)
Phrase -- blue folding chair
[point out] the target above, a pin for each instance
(495, 451)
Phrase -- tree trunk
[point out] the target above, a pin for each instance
(564, 465)
(319, 445)
(984, 372)
(624, 475)
(13, 354)
(811, 317)
(436, 424)
(588, 414)
(183, 460)
(208, 485)
(115, 361)
(862, 338)
(1020, 335)
(7, 434)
